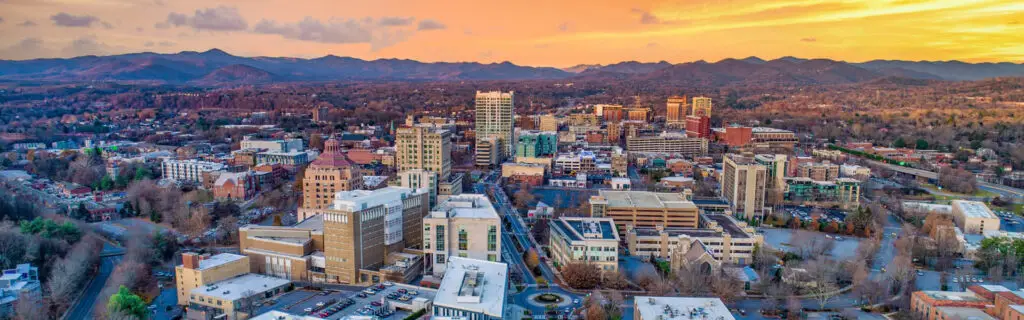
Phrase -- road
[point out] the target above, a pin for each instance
(514, 258)
(1006, 191)
(83, 308)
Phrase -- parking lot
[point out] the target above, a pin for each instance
(391, 301)
(1009, 221)
(805, 213)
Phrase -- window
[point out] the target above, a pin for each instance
(440, 238)
(492, 257)
(463, 239)
(492, 238)
(440, 258)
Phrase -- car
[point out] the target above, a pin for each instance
(838, 238)
(414, 292)
(307, 310)
(401, 291)
(380, 287)
(576, 301)
(320, 304)
(324, 293)
(375, 304)
(361, 295)
(389, 283)
(920, 273)
(956, 280)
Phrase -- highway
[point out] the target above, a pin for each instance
(83, 308)
(1007, 191)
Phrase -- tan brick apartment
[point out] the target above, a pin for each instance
(728, 241)
(979, 302)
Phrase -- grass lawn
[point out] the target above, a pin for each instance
(979, 193)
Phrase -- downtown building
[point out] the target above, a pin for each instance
(190, 171)
(423, 155)
(465, 226)
(743, 185)
(668, 143)
(330, 173)
(631, 209)
(363, 237)
(718, 236)
(495, 116)
(676, 110)
(472, 289)
(585, 240)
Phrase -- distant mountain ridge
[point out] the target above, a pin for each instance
(216, 67)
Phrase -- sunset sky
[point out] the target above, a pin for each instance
(556, 33)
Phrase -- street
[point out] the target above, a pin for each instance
(83, 308)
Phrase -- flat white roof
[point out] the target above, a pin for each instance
(474, 285)
(218, 260)
(670, 308)
(974, 209)
(357, 200)
(467, 205)
(240, 286)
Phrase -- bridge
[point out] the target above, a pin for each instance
(1006, 191)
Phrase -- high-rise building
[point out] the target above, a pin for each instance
(612, 113)
(637, 114)
(676, 110)
(701, 106)
(548, 122)
(329, 173)
(534, 144)
(465, 226)
(424, 147)
(320, 114)
(775, 185)
(495, 114)
(743, 185)
(698, 127)
(818, 171)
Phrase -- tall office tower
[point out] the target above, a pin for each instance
(612, 113)
(676, 110)
(702, 107)
(548, 122)
(465, 226)
(743, 185)
(424, 147)
(494, 118)
(775, 186)
(329, 173)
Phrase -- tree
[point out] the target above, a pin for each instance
(127, 302)
(594, 309)
(81, 212)
(614, 280)
(899, 143)
(31, 307)
(523, 196)
(316, 141)
(532, 259)
(581, 275)
(921, 144)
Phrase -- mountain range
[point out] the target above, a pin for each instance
(216, 67)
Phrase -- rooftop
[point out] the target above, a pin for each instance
(670, 308)
(218, 260)
(474, 285)
(966, 296)
(768, 130)
(358, 200)
(587, 228)
(965, 313)
(974, 209)
(644, 199)
(728, 225)
(240, 286)
(471, 206)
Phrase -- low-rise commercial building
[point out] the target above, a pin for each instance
(197, 271)
(725, 239)
(235, 298)
(679, 308)
(472, 289)
(188, 170)
(974, 217)
(644, 209)
(586, 240)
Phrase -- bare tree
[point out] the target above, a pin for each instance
(31, 307)
(822, 281)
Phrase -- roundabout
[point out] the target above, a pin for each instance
(550, 298)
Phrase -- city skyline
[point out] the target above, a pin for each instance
(558, 34)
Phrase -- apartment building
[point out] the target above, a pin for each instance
(776, 168)
(981, 302)
(743, 185)
(668, 143)
(535, 144)
(644, 209)
(698, 127)
(330, 173)
(465, 226)
(197, 271)
(842, 192)
(701, 107)
(472, 289)
(188, 170)
(495, 118)
(586, 240)
(488, 152)
(725, 239)
(818, 171)
(548, 122)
